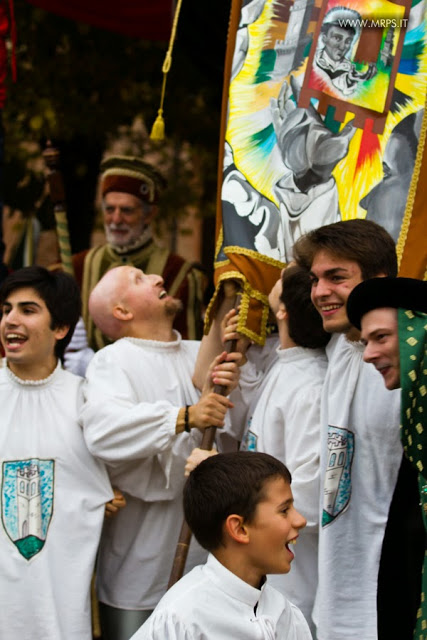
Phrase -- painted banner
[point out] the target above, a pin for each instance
(323, 121)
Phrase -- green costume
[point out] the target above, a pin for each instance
(413, 380)
(409, 297)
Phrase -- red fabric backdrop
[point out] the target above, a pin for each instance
(146, 19)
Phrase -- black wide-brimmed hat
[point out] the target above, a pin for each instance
(376, 293)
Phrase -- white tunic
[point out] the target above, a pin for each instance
(360, 458)
(211, 603)
(52, 501)
(134, 390)
(285, 422)
(252, 373)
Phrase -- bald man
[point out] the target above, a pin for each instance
(143, 417)
(131, 191)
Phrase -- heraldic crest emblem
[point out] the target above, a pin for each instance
(337, 488)
(27, 503)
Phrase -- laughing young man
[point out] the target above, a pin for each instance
(53, 492)
(361, 451)
(392, 315)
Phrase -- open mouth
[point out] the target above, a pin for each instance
(163, 294)
(383, 369)
(330, 308)
(14, 340)
(293, 543)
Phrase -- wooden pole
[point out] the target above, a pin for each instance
(208, 439)
(57, 194)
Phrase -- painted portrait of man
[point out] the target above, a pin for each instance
(339, 33)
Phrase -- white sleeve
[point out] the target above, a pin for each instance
(116, 425)
(252, 374)
(289, 429)
(78, 354)
(251, 377)
(298, 628)
(302, 452)
(162, 625)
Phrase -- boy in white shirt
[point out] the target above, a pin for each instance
(284, 420)
(240, 508)
(53, 491)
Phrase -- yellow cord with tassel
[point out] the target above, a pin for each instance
(158, 130)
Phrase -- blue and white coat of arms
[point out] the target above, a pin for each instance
(27, 503)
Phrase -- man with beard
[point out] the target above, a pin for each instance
(130, 190)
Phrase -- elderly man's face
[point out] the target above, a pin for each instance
(125, 218)
(337, 42)
(380, 335)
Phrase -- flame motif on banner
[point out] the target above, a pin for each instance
(324, 122)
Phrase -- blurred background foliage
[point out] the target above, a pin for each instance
(84, 88)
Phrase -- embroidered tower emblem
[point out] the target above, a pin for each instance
(27, 503)
(337, 488)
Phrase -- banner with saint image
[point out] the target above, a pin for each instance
(323, 120)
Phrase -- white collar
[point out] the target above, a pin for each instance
(155, 344)
(231, 584)
(32, 383)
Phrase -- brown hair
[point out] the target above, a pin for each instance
(225, 484)
(58, 290)
(363, 241)
(305, 325)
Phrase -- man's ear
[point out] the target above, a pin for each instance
(120, 312)
(235, 528)
(61, 332)
(282, 314)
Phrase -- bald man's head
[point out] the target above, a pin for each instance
(103, 300)
(129, 302)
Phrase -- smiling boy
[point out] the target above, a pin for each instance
(53, 491)
(361, 453)
(27, 336)
(240, 508)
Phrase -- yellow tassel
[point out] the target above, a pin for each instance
(158, 130)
